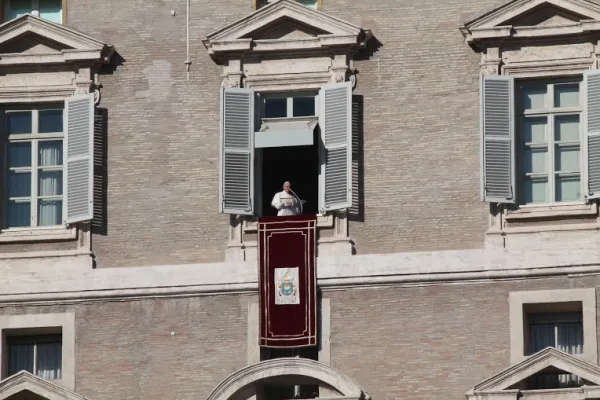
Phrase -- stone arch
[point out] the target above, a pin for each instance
(240, 380)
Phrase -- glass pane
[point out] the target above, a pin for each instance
(540, 337)
(50, 121)
(50, 153)
(567, 159)
(534, 97)
(19, 154)
(49, 212)
(18, 122)
(568, 189)
(51, 10)
(19, 214)
(536, 191)
(20, 358)
(309, 3)
(570, 337)
(275, 108)
(534, 130)
(18, 8)
(566, 95)
(535, 161)
(19, 184)
(304, 106)
(567, 128)
(50, 183)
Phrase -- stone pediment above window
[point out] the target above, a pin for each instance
(526, 378)
(533, 19)
(31, 40)
(285, 26)
(28, 386)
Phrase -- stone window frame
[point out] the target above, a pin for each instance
(518, 300)
(4, 10)
(64, 321)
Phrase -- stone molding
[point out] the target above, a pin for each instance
(24, 381)
(324, 373)
(66, 321)
(587, 298)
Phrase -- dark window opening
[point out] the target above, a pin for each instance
(39, 355)
(283, 390)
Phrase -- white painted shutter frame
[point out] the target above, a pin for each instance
(335, 121)
(497, 139)
(592, 132)
(237, 151)
(79, 165)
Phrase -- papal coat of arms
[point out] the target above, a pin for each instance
(286, 286)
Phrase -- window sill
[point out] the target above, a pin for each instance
(323, 221)
(38, 234)
(544, 212)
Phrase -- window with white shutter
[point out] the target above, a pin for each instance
(79, 165)
(237, 151)
(592, 132)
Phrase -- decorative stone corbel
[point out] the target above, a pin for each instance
(490, 61)
(232, 81)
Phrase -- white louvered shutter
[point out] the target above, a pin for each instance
(498, 140)
(79, 165)
(237, 151)
(335, 120)
(592, 132)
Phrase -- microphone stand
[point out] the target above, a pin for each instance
(299, 201)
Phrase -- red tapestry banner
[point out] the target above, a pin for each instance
(287, 281)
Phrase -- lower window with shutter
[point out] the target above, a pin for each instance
(40, 355)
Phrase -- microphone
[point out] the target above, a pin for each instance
(299, 201)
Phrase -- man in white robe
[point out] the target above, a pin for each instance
(285, 202)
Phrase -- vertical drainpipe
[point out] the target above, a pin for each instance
(187, 42)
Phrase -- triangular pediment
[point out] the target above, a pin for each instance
(531, 14)
(548, 360)
(25, 386)
(31, 36)
(284, 11)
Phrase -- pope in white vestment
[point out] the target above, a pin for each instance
(285, 202)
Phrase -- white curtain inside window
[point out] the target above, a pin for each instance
(20, 358)
(50, 183)
(49, 360)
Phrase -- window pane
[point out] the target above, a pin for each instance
(534, 130)
(567, 159)
(536, 191)
(568, 188)
(534, 97)
(50, 121)
(304, 106)
(19, 184)
(49, 212)
(20, 358)
(536, 161)
(18, 122)
(51, 10)
(19, 214)
(50, 183)
(50, 153)
(566, 95)
(540, 337)
(19, 154)
(18, 8)
(567, 128)
(570, 337)
(49, 360)
(275, 108)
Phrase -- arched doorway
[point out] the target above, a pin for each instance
(247, 382)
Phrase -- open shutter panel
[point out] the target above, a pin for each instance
(237, 151)
(335, 120)
(498, 136)
(79, 166)
(592, 132)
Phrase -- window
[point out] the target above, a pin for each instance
(563, 331)
(550, 142)
(309, 3)
(52, 10)
(39, 355)
(34, 189)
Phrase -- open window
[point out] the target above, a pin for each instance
(301, 137)
(50, 10)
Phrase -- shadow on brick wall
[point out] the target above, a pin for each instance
(357, 211)
(100, 221)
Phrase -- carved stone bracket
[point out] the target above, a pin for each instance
(232, 81)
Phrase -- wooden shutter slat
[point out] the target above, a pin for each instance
(592, 132)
